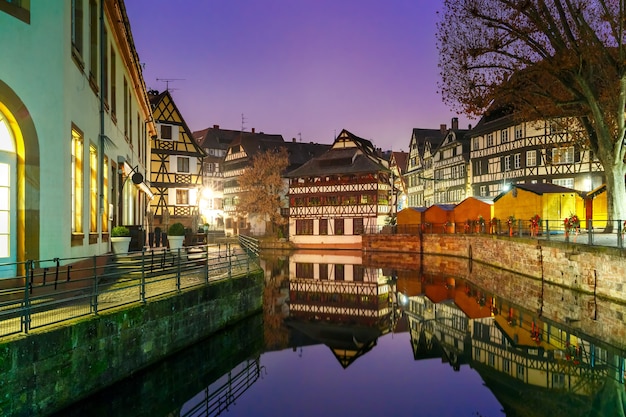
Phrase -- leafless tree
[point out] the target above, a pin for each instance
(546, 60)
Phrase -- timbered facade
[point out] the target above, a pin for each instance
(419, 171)
(338, 196)
(397, 165)
(176, 165)
(504, 152)
(450, 165)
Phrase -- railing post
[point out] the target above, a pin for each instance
(547, 229)
(230, 261)
(142, 288)
(26, 307)
(94, 299)
(621, 229)
(206, 265)
(589, 232)
(178, 271)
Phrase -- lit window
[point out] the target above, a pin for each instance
(182, 197)
(531, 158)
(93, 189)
(563, 155)
(77, 180)
(105, 196)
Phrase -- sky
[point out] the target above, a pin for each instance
(304, 69)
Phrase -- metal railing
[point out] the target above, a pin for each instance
(249, 244)
(58, 290)
(590, 232)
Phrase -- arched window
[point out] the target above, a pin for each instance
(7, 192)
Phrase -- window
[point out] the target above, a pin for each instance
(519, 132)
(113, 85)
(558, 380)
(125, 109)
(357, 225)
(507, 163)
(105, 196)
(339, 226)
(323, 271)
(358, 273)
(520, 371)
(77, 180)
(77, 27)
(517, 161)
(182, 164)
(304, 227)
(105, 66)
(563, 155)
(17, 8)
(93, 43)
(491, 359)
(166, 132)
(564, 182)
(323, 226)
(93, 189)
(504, 136)
(490, 140)
(304, 270)
(531, 158)
(340, 272)
(506, 366)
(182, 197)
(483, 190)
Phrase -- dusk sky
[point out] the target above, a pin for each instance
(305, 69)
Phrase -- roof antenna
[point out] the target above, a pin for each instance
(167, 82)
(243, 121)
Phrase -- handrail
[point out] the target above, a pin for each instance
(92, 285)
(249, 244)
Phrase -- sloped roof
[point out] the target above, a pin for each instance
(422, 136)
(539, 189)
(342, 160)
(400, 159)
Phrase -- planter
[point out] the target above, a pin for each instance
(176, 242)
(120, 244)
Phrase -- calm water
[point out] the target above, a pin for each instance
(339, 337)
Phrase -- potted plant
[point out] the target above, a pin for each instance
(120, 239)
(176, 235)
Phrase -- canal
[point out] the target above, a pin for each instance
(342, 335)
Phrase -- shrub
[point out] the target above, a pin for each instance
(120, 231)
(177, 229)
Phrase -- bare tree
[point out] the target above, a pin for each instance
(547, 60)
(262, 185)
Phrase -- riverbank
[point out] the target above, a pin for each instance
(597, 270)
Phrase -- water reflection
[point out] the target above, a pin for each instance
(539, 349)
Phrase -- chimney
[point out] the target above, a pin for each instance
(443, 128)
(455, 123)
(216, 126)
(293, 140)
(252, 130)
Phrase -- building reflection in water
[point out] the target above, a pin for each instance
(336, 300)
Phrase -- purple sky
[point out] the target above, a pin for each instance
(304, 69)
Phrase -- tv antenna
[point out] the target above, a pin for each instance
(167, 82)
(243, 121)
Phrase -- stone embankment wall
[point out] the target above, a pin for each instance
(575, 284)
(48, 370)
(590, 269)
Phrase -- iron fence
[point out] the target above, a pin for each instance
(590, 232)
(58, 290)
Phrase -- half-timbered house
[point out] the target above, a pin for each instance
(338, 196)
(419, 171)
(397, 165)
(176, 166)
(450, 165)
(505, 152)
